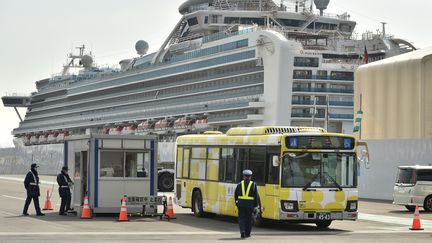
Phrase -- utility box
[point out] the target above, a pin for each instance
(107, 167)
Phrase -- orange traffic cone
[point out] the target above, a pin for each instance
(86, 213)
(170, 211)
(416, 225)
(48, 204)
(123, 216)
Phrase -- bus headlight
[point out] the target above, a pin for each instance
(289, 206)
(351, 206)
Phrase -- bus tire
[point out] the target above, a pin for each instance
(427, 204)
(323, 224)
(410, 208)
(166, 182)
(197, 204)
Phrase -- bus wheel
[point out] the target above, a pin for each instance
(427, 205)
(323, 224)
(410, 208)
(197, 204)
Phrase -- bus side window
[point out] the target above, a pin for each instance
(186, 155)
(227, 165)
(257, 161)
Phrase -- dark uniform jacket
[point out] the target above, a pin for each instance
(31, 184)
(64, 182)
(252, 193)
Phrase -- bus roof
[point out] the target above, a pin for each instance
(416, 167)
(269, 135)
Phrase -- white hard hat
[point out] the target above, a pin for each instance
(247, 173)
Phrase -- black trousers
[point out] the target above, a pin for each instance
(35, 202)
(65, 203)
(245, 220)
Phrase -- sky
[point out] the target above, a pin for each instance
(36, 36)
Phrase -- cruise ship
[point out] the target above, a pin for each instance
(226, 63)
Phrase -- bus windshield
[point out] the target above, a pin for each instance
(315, 170)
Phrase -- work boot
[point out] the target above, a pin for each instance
(25, 214)
(242, 235)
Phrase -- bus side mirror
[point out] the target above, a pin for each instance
(275, 161)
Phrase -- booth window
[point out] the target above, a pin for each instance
(137, 164)
(111, 164)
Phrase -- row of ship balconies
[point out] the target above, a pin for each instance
(324, 90)
(323, 103)
(321, 115)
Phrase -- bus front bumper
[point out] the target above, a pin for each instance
(318, 216)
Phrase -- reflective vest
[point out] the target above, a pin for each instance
(35, 183)
(245, 194)
(66, 180)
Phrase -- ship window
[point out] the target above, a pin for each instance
(321, 74)
(206, 20)
(302, 74)
(306, 62)
(192, 21)
(338, 75)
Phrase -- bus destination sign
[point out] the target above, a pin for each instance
(320, 142)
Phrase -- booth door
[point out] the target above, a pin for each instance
(80, 178)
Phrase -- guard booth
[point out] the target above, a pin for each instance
(108, 167)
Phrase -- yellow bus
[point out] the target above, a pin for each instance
(304, 174)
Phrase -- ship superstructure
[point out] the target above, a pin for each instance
(226, 63)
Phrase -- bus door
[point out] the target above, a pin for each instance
(272, 177)
(271, 199)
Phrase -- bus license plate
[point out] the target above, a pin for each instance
(323, 216)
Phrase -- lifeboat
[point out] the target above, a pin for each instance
(61, 136)
(115, 130)
(26, 139)
(106, 130)
(182, 124)
(34, 139)
(43, 138)
(145, 127)
(163, 125)
(201, 124)
(129, 130)
(52, 137)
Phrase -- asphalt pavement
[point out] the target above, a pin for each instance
(378, 222)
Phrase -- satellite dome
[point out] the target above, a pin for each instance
(141, 47)
(86, 61)
(321, 5)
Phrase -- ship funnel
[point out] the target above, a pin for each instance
(321, 5)
(141, 47)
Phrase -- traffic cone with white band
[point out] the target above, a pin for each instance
(86, 213)
(123, 216)
(170, 211)
(416, 225)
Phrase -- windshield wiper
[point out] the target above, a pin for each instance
(310, 183)
(334, 181)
